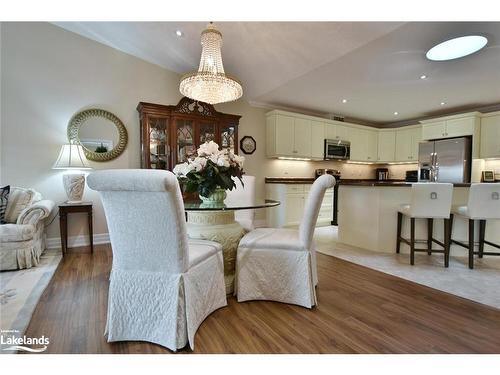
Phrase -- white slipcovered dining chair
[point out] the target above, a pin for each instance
(244, 194)
(162, 285)
(280, 264)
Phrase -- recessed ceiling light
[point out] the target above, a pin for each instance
(396, 113)
(442, 103)
(179, 33)
(344, 100)
(423, 76)
(456, 48)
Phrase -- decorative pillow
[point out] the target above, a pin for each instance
(4, 197)
(19, 199)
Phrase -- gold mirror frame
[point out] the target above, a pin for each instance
(79, 119)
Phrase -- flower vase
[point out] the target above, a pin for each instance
(216, 197)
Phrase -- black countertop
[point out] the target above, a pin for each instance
(348, 182)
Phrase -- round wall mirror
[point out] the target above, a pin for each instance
(101, 134)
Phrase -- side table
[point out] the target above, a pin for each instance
(68, 208)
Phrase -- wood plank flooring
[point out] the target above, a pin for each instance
(360, 311)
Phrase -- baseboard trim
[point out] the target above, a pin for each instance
(102, 238)
(77, 241)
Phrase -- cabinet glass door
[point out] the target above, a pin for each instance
(185, 140)
(227, 137)
(158, 143)
(207, 132)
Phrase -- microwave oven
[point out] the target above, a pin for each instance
(337, 150)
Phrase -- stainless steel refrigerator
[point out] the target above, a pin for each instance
(447, 160)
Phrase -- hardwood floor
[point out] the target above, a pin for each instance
(360, 311)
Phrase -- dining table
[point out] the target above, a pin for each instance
(216, 222)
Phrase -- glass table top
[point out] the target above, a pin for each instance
(228, 205)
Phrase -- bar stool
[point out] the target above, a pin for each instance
(483, 204)
(428, 201)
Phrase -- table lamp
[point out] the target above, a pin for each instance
(72, 157)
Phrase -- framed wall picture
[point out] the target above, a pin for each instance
(248, 145)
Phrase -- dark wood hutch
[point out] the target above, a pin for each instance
(172, 133)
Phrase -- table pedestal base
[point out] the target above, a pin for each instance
(218, 226)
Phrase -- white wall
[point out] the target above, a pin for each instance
(48, 74)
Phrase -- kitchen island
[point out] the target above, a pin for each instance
(367, 216)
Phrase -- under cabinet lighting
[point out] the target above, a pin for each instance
(290, 158)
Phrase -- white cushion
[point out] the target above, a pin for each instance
(200, 250)
(272, 238)
(19, 199)
(16, 232)
(405, 209)
(460, 210)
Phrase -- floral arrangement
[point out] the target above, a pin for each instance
(210, 171)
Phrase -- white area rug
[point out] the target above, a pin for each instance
(21, 290)
(482, 284)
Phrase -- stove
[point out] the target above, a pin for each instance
(335, 173)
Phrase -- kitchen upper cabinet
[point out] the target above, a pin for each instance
(386, 150)
(302, 138)
(344, 133)
(284, 135)
(434, 130)
(363, 144)
(466, 124)
(288, 136)
(449, 127)
(407, 140)
(490, 136)
(318, 140)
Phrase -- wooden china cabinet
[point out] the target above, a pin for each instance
(172, 133)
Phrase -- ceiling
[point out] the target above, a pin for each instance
(311, 66)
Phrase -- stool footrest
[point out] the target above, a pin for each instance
(429, 251)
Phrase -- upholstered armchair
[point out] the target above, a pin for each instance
(22, 239)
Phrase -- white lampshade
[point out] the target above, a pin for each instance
(71, 157)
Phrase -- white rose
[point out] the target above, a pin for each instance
(179, 169)
(214, 158)
(208, 148)
(197, 166)
(201, 161)
(239, 159)
(222, 162)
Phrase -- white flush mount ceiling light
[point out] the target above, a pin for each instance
(210, 84)
(344, 100)
(396, 113)
(179, 33)
(423, 76)
(456, 48)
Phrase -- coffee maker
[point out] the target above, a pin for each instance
(382, 174)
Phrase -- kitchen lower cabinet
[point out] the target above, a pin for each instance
(291, 210)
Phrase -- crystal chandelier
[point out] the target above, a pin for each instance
(210, 84)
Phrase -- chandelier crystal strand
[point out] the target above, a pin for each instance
(211, 84)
